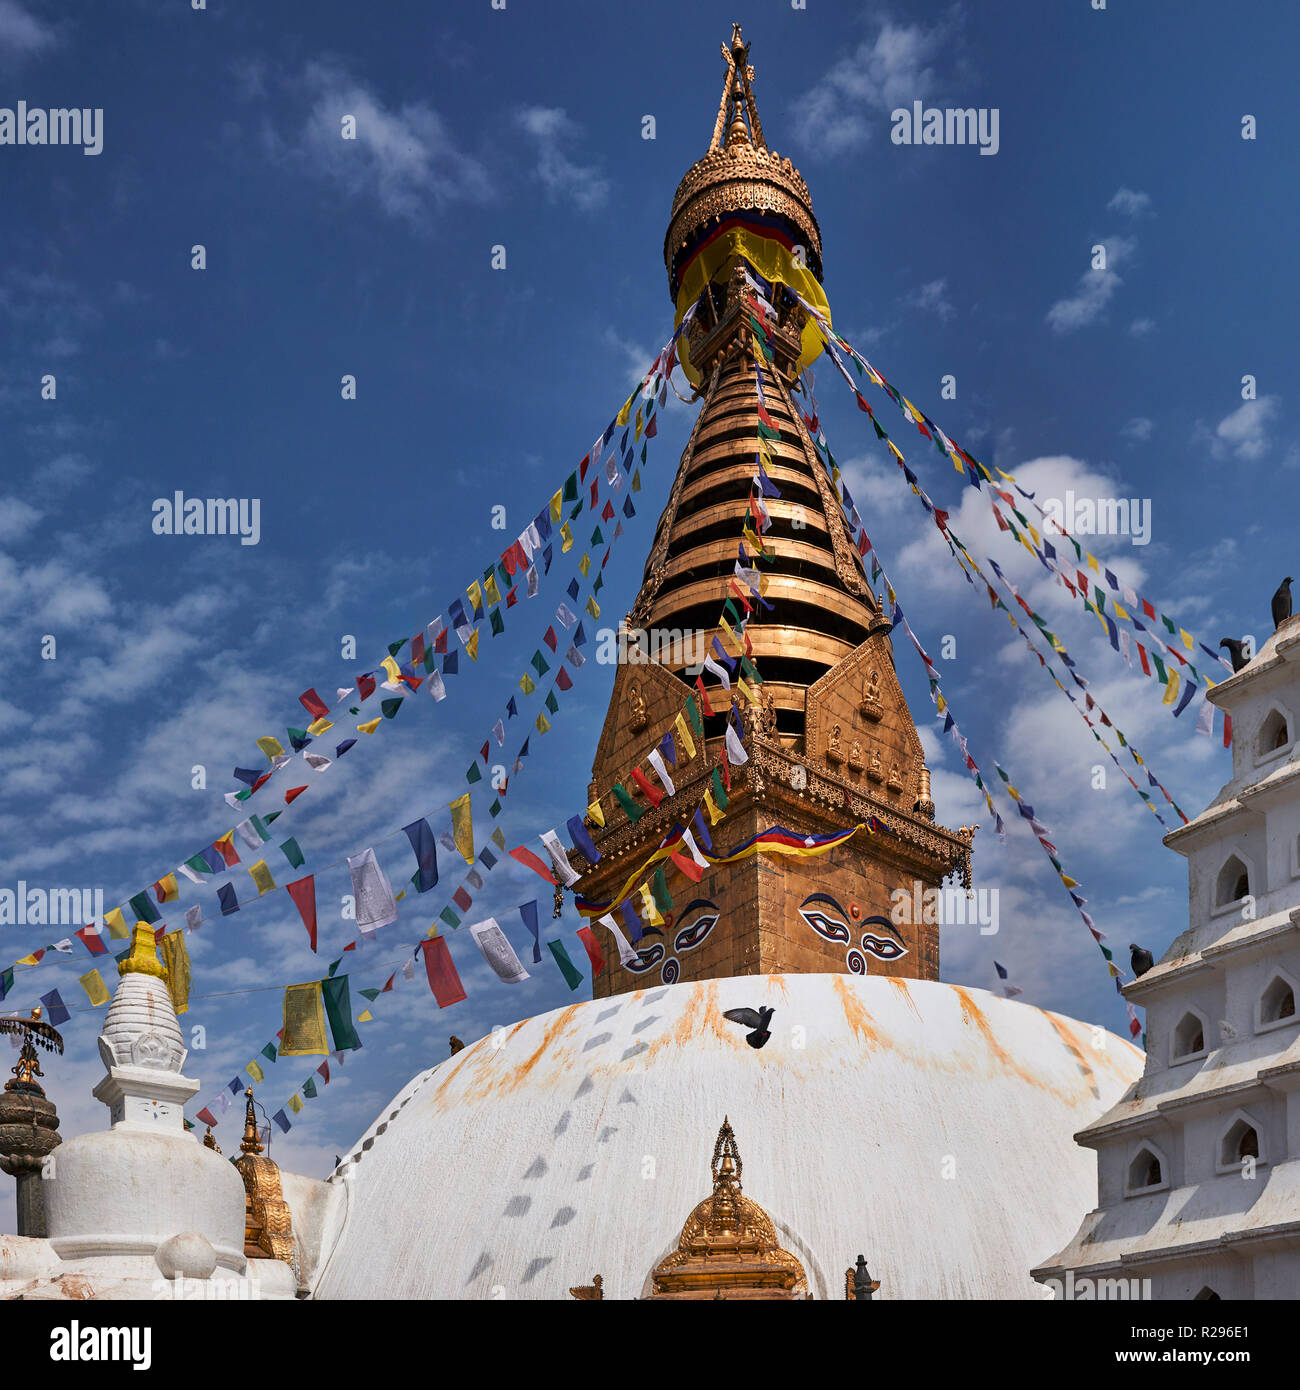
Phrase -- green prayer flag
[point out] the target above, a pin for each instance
(539, 663)
(506, 577)
(693, 709)
(634, 812)
(719, 794)
(473, 775)
(571, 488)
(552, 703)
(395, 647)
(309, 1088)
(371, 994)
(448, 916)
(269, 1050)
(143, 908)
(495, 809)
(390, 707)
(338, 1009)
(498, 623)
(572, 975)
(275, 815)
(292, 853)
(599, 584)
(659, 888)
(198, 864)
(1160, 666)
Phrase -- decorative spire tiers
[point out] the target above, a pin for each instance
(728, 1247)
(144, 1200)
(1199, 1164)
(268, 1224)
(833, 745)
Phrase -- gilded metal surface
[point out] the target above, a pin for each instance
(728, 1247)
(268, 1223)
(142, 959)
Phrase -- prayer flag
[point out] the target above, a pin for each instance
(292, 853)
(96, 990)
(426, 854)
(372, 892)
(176, 962)
(498, 952)
(572, 975)
(54, 1006)
(444, 982)
(261, 876)
(528, 915)
(592, 947)
(303, 893)
(526, 857)
(462, 827)
(338, 1009)
(581, 840)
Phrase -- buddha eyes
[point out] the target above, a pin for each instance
(690, 936)
(824, 925)
(881, 947)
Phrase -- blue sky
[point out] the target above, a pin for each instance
(479, 387)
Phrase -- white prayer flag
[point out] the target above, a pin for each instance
(188, 872)
(249, 836)
(656, 761)
(371, 891)
(558, 857)
(318, 761)
(626, 955)
(1205, 718)
(689, 841)
(341, 693)
(498, 952)
(735, 752)
(532, 582)
(566, 615)
(193, 916)
(65, 946)
(436, 687)
(719, 671)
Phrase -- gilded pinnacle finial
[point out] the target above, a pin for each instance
(143, 956)
(250, 1144)
(35, 1032)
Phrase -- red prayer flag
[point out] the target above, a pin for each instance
(592, 947)
(440, 642)
(365, 686)
(438, 966)
(563, 680)
(582, 467)
(292, 794)
(1148, 610)
(531, 861)
(653, 794)
(549, 638)
(206, 1116)
(303, 893)
(323, 1071)
(512, 598)
(92, 941)
(417, 649)
(313, 704)
(607, 512)
(704, 699)
(389, 984)
(652, 427)
(1142, 657)
(687, 865)
(1227, 730)
(226, 849)
(462, 899)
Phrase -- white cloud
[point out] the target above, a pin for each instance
(932, 297)
(1138, 428)
(1139, 328)
(22, 35)
(564, 181)
(16, 519)
(404, 157)
(880, 75)
(1130, 203)
(1243, 434)
(1094, 291)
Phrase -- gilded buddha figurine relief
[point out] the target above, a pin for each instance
(870, 703)
(834, 752)
(855, 754)
(895, 782)
(874, 769)
(639, 716)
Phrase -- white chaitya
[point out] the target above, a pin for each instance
(1199, 1164)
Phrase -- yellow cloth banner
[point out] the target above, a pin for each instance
(490, 590)
(366, 1017)
(543, 724)
(170, 889)
(556, 503)
(475, 595)
(773, 263)
(567, 537)
(304, 1022)
(370, 726)
(462, 827)
(584, 565)
(714, 814)
(625, 414)
(527, 684)
(472, 646)
(176, 962)
(295, 1102)
(262, 877)
(96, 990)
(648, 908)
(593, 608)
(271, 746)
(254, 1069)
(318, 726)
(1171, 690)
(393, 669)
(116, 924)
(683, 733)
(596, 813)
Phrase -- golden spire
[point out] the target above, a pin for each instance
(143, 956)
(209, 1140)
(250, 1144)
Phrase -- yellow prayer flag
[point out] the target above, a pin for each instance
(637, 435)
(295, 1102)
(1187, 638)
(262, 877)
(1068, 881)
(254, 1069)
(636, 481)
(1119, 608)
(683, 733)
(490, 590)
(649, 909)
(527, 684)
(556, 503)
(543, 724)
(176, 962)
(33, 959)
(116, 924)
(304, 1022)
(366, 1017)
(393, 669)
(1171, 690)
(370, 726)
(319, 726)
(475, 595)
(96, 990)
(625, 414)
(1092, 563)
(171, 890)
(271, 746)
(584, 565)
(593, 608)
(568, 539)
(462, 827)
(714, 814)
(499, 838)
(596, 813)
(472, 646)
(893, 449)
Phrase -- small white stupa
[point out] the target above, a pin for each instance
(141, 1209)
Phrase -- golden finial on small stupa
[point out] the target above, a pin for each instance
(142, 959)
(250, 1144)
(209, 1142)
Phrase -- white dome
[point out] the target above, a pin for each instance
(927, 1126)
(141, 1027)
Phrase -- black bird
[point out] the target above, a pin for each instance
(1236, 652)
(1282, 602)
(757, 1020)
(1140, 960)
